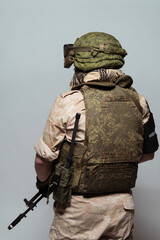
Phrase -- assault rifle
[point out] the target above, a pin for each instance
(38, 196)
(31, 204)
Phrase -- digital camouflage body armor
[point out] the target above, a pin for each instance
(108, 161)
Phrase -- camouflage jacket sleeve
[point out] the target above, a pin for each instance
(146, 111)
(54, 133)
(60, 124)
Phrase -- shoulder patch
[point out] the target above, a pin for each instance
(69, 93)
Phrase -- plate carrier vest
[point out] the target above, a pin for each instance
(108, 160)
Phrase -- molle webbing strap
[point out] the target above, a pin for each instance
(134, 99)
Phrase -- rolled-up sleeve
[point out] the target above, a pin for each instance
(48, 146)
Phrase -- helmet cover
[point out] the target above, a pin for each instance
(102, 51)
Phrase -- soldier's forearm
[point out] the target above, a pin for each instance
(43, 168)
(147, 157)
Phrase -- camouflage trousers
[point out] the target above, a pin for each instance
(99, 218)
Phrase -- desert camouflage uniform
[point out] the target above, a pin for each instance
(102, 217)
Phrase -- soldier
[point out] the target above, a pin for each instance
(116, 132)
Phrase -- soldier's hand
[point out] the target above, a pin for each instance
(43, 186)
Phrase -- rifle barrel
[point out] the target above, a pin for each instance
(22, 215)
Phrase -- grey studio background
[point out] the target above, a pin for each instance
(32, 35)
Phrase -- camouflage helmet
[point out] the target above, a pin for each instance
(95, 50)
